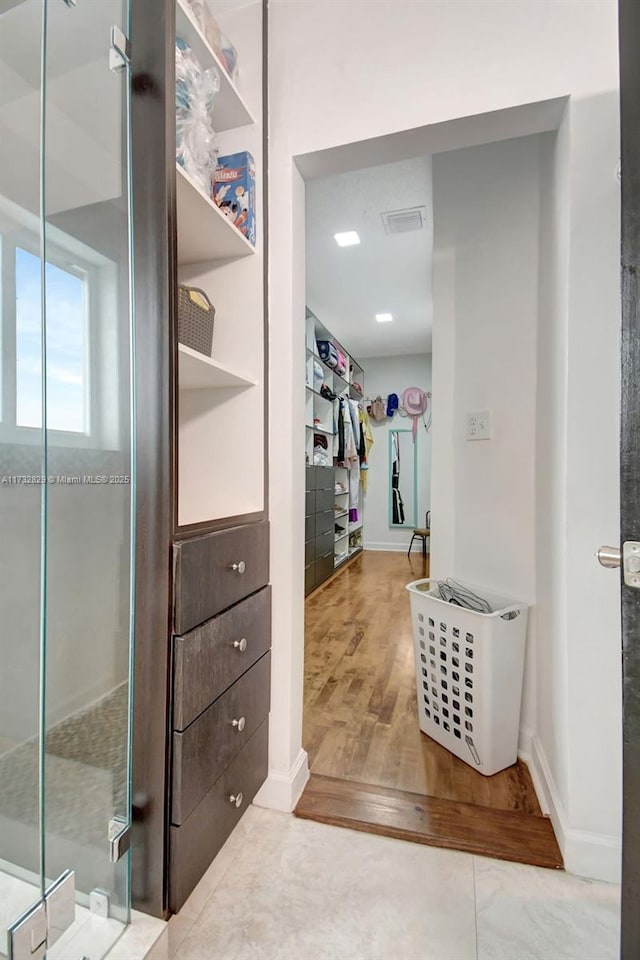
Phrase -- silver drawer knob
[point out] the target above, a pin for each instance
(236, 799)
(239, 567)
(239, 724)
(240, 645)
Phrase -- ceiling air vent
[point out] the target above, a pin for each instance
(404, 221)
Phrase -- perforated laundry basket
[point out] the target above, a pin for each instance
(469, 670)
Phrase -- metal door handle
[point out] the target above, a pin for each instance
(628, 558)
(239, 724)
(236, 799)
(240, 645)
(610, 557)
(239, 567)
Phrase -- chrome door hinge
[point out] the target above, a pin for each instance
(629, 556)
(119, 838)
(120, 50)
(39, 928)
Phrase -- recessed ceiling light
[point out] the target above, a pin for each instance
(347, 239)
(384, 317)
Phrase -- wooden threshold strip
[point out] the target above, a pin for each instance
(504, 834)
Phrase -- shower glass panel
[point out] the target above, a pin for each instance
(67, 383)
(21, 455)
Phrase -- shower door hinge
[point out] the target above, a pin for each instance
(119, 51)
(40, 927)
(119, 838)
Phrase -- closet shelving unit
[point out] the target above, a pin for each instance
(319, 419)
(203, 607)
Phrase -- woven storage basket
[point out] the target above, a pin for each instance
(196, 314)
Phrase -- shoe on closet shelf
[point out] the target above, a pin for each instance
(338, 529)
(340, 488)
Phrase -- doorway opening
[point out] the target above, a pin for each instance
(447, 305)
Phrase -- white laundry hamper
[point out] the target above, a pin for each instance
(469, 672)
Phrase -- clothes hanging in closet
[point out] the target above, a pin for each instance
(354, 472)
(365, 424)
(397, 504)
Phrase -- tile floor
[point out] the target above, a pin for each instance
(288, 889)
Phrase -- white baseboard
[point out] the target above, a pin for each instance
(282, 791)
(597, 856)
(386, 547)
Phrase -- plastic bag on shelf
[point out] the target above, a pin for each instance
(224, 49)
(195, 137)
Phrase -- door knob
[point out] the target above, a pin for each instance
(609, 557)
(240, 645)
(239, 567)
(236, 799)
(239, 724)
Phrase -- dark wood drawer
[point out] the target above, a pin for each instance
(325, 567)
(206, 661)
(309, 551)
(309, 503)
(310, 527)
(205, 580)
(309, 577)
(204, 749)
(324, 500)
(195, 844)
(324, 544)
(324, 478)
(324, 521)
(310, 478)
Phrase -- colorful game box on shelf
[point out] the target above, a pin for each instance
(234, 191)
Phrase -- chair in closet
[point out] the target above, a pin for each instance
(423, 533)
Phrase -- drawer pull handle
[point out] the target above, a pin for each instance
(239, 567)
(239, 724)
(240, 645)
(236, 799)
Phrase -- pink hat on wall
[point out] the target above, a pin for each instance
(414, 404)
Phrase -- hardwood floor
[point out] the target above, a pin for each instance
(360, 715)
(360, 725)
(506, 834)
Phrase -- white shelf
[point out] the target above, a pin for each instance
(341, 537)
(229, 109)
(197, 372)
(355, 526)
(204, 233)
(343, 514)
(341, 493)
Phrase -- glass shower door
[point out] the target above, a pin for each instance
(73, 390)
(21, 454)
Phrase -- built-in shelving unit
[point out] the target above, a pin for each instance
(217, 570)
(230, 109)
(204, 233)
(221, 399)
(320, 409)
(197, 372)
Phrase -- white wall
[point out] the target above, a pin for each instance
(451, 61)
(393, 375)
(486, 222)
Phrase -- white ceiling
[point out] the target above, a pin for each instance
(347, 286)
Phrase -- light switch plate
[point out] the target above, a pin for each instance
(478, 425)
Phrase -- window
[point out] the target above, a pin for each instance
(66, 326)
